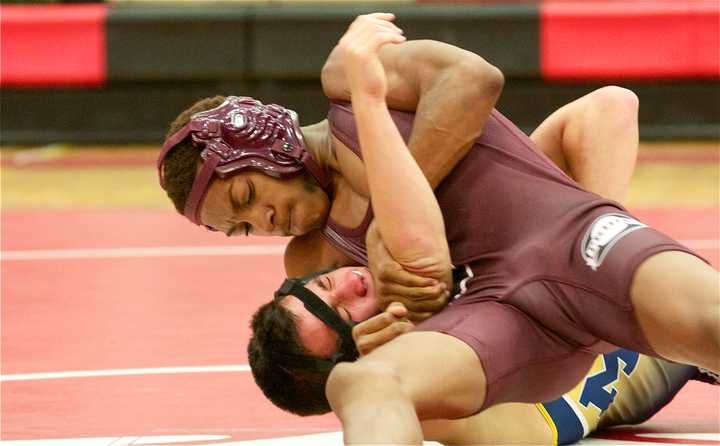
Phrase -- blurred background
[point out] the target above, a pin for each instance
(119, 71)
(98, 74)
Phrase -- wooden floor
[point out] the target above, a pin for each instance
(667, 174)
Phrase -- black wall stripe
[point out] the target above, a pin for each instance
(205, 42)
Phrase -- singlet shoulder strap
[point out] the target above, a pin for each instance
(342, 125)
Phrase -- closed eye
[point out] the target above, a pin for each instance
(325, 283)
(319, 282)
(250, 194)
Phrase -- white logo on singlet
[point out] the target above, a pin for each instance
(602, 235)
(460, 279)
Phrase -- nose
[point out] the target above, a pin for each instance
(351, 286)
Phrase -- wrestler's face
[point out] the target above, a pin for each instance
(254, 203)
(347, 290)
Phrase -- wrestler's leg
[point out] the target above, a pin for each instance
(594, 139)
(420, 374)
(509, 423)
(652, 385)
(676, 297)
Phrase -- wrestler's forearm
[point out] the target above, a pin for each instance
(451, 113)
(405, 207)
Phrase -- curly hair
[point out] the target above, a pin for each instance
(301, 392)
(180, 164)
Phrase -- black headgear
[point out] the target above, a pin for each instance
(346, 351)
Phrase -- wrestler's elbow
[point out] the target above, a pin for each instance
(360, 380)
(479, 82)
(332, 77)
(487, 79)
(426, 257)
(338, 384)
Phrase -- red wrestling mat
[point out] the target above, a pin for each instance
(130, 327)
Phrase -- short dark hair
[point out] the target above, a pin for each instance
(290, 388)
(180, 164)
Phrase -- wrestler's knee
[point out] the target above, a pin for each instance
(366, 379)
(709, 320)
(382, 383)
(616, 103)
(706, 317)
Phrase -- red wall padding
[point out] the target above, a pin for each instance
(630, 39)
(52, 45)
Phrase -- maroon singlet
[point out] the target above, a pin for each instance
(549, 265)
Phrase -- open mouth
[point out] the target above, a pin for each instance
(361, 287)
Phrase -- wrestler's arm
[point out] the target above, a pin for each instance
(451, 90)
(593, 139)
(398, 188)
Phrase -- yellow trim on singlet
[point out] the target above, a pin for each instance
(550, 422)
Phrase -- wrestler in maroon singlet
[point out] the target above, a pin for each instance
(549, 265)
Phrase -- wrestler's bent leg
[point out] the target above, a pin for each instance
(473, 355)
(594, 139)
(420, 374)
(676, 297)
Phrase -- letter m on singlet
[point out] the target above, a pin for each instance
(599, 389)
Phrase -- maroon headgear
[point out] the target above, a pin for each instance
(242, 133)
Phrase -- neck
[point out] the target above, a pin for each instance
(318, 141)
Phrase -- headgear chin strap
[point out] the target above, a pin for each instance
(242, 133)
(346, 351)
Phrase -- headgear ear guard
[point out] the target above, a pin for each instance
(346, 351)
(242, 133)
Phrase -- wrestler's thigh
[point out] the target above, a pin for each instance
(522, 361)
(594, 140)
(509, 423)
(676, 297)
(548, 136)
(441, 374)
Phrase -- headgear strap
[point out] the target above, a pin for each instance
(316, 306)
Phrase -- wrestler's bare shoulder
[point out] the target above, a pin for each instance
(310, 253)
(352, 168)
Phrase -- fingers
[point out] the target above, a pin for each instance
(379, 330)
(393, 272)
(417, 317)
(397, 309)
(414, 293)
(372, 31)
(377, 18)
(384, 19)
(422, 306)
(382, 15)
